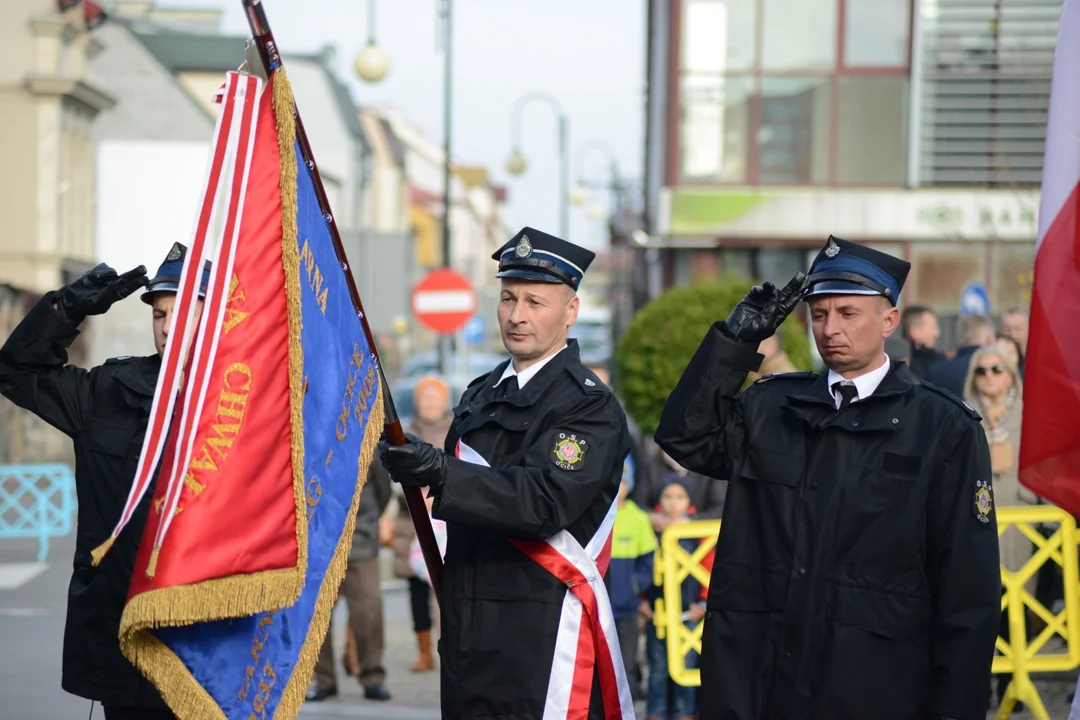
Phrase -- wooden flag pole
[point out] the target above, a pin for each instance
(414, 498)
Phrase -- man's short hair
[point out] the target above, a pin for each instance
(974, 330)
(912, 316)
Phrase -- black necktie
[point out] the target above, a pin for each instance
(847, 391)
(506, 387)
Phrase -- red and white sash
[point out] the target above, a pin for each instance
(587, 637)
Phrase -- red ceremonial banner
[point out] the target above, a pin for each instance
(236, 542)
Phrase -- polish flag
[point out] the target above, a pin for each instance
(1050, 441)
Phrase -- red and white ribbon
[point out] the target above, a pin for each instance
(226, 138)
(587, 639)
(248, 89)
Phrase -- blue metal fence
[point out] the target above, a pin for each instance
(36, 501)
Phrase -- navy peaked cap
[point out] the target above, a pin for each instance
(846, 268)
(537, 256)
(168, 275)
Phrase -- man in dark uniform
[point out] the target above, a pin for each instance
(105, 412)
(856, 573)
(528, 484)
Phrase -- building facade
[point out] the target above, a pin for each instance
(916, 126)
(49, 102)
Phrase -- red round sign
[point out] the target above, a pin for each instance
(444, 301)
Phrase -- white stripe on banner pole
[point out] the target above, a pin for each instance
(444, 301)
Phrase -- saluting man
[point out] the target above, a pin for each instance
(528, 484)
(856, 574)
(105, 412)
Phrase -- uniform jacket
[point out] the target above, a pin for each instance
(633, 547)
(500, 609)
(856, 573)
(922, 359)
(105, 411)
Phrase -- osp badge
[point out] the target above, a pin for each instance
(569, 451)
(984, 501)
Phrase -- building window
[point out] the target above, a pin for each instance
(716, 119)
(877, 33)
(872, 130)
(793, 92)
(794, 131)
(799, 34)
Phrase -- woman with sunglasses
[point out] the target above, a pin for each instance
(995, 390)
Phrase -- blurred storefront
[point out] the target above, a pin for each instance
(914, 125)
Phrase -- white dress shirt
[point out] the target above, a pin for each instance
(527, 374)
(865, 384)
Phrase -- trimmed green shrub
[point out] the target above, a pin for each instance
(657, 346)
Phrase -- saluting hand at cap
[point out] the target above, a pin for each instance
(764, 309)
(95, 291)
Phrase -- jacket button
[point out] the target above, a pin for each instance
(855, 424)
(525, 424)
(801, 571)
(896, 421)
(787, 653)
(491, 415)
(708, 616)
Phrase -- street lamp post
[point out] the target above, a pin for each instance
(516, 163)
(372, 62)
(579, 194)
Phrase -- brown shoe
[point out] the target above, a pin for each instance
(426, 661)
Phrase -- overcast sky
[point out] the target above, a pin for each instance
(589, 54)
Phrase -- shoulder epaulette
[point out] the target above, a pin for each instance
(972, 412)
(587, 379)
(786, 376)
(122, 360)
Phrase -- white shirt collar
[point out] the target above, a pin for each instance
(865, 384)
(527, 374)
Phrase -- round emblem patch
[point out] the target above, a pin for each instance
(984, 501)
(569, 451)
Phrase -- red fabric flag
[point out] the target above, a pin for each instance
(1050, 441)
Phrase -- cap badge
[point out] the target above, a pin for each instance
(177, 253)
(833, 249)
(524, 248)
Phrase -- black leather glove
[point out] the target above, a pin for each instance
(95, 291)
(763, 310)
(415, 463)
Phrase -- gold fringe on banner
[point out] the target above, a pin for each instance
(284, 114)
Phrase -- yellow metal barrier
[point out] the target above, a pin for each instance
(1017, 656)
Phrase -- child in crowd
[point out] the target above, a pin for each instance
(675, 505)
(633, 544)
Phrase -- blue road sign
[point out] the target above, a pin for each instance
(974, 300)
(474, 330)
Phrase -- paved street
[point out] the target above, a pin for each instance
(32, 601)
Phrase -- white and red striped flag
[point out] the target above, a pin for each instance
(1050, 442)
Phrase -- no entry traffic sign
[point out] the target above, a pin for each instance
(444, 301)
